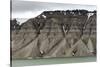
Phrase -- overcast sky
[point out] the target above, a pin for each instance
(29, 9)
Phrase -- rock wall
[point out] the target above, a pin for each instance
(55, 34)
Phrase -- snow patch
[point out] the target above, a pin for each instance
(43, 16)
(90, 14)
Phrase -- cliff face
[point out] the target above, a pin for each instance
(55, 34)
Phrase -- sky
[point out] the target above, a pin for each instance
(23, 10)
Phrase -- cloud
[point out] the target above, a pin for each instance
(27, 14)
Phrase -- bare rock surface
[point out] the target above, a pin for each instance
(55, 34)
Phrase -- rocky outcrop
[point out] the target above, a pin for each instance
(55, 34)
(14, 25)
